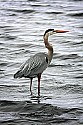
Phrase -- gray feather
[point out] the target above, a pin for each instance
(33, 66)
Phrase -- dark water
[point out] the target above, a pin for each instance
(22, 25)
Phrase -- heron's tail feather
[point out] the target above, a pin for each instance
(18, 74)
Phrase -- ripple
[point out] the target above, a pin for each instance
(4, 63)
(8, 37)
(59, 65)
(65, 57)
(15, 112)
(79, 76)
(24, 11)
(22, 24)
(72, 88)
(54, 13)
(79, 14)
(79, 43)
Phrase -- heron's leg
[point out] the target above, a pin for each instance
(31, 85)
(39, 77)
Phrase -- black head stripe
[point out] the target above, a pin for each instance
(48, 31)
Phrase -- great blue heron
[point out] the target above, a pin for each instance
(36, 64)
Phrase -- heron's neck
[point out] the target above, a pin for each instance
(49, 47)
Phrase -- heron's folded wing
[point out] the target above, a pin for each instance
(36, 64)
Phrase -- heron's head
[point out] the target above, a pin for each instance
(52, 31)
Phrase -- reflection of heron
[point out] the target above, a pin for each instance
(35, 65)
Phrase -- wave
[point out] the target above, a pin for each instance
(27, 112)
(54, 12)
(72, 88)
(8, 37)
(65, 57)
(25, 11)
(79, 14)
(78, 43)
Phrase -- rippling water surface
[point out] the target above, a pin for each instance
(22, 25)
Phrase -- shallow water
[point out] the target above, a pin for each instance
(22, 25)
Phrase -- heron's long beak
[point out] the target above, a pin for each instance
(61, 31)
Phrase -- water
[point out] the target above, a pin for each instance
(22, 25)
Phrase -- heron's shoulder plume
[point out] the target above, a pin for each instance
(48, 31)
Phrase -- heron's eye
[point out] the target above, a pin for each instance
(51, 32)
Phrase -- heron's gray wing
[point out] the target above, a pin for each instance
(34, 65)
